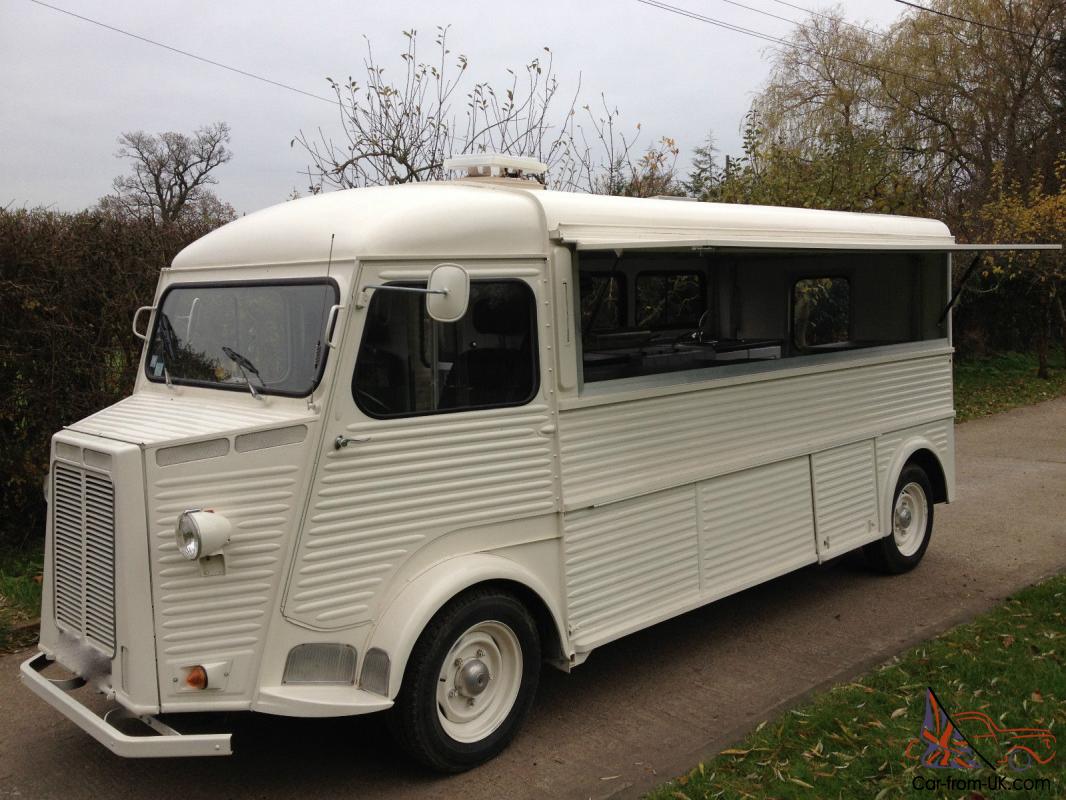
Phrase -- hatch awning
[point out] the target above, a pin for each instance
(585, 237)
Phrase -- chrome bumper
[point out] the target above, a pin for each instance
(165, 742)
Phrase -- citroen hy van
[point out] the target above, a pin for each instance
(390, 449)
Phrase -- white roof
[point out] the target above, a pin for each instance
(455, 219)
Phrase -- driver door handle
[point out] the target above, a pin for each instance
(343, 441)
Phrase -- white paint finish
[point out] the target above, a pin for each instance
(149, 418)
(429, 220)
(613, 451)
(414, 480)
(893, 449)
(471, 218)
(200, 618)
(626, 561)
(845, 498)
(756, 524)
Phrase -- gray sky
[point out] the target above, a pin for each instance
(69, 88)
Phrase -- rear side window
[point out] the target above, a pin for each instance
(603, 305)
(408, 364)
(669, 299)
(821, 313)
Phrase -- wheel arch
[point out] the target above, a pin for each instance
(920, 451)
(925, 458)
(404, 619)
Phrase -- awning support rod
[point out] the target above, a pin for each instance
(962, 284)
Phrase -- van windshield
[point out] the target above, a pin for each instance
(268, 335)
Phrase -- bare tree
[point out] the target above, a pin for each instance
(401, 131)
(170, 174)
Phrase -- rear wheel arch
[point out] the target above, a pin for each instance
(929, 462)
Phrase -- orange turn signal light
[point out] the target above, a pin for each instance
(196, 678)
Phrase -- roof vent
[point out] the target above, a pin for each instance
(497, 165)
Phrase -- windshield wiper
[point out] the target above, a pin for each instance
(167, 337)
(245, 366)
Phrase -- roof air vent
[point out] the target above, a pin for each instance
(497, 165)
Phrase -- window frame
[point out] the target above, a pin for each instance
(817, 349)
(703, 281)
(239, 387)
(534, 350)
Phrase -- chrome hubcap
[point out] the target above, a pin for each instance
(910, 518)
(472, 678)
(479, 681)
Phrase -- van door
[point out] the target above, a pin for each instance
(432, 427)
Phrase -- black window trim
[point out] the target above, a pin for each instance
(535, 349)
(703, 279)
(322, 281)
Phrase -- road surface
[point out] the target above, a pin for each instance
(645, 708)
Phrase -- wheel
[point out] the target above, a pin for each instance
(469, 683)
(1019, 760)
(912, 524)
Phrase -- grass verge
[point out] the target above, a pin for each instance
(989, 385)
(20, 597)
(849, 741)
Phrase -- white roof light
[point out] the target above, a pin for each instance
(495, 165)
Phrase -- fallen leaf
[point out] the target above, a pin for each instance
(1008, 640)
(804, 784)
(899, 712)
(734, 752)
(38, 579)
(612, 777)
(1036, 697)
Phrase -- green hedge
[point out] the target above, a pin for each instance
(69, 284)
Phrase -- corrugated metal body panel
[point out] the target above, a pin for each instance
(146, 418)
(83, 524)
(630, 560)
(845, 498)
(222, 616)
(887, 445)
(611, 451)
(412, 479)
(755, 525)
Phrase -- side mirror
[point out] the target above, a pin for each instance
(447, 293)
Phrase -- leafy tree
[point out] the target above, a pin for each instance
(950, 97)
(171, 173)
(1030, 214)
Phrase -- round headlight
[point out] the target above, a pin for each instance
(188, 536)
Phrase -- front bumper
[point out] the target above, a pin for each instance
(162, 741)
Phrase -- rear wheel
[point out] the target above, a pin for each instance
(912, 524)
(470, 681)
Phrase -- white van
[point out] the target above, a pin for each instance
(392, 448)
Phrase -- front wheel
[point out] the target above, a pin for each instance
(470, 681)
(912, 524)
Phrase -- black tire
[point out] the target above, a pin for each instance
(884, 554)
(414, 719)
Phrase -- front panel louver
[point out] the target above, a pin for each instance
(83, 530)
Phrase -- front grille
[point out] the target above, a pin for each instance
(83, 546)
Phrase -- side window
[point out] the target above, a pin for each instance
(669, 300)
(408, 364)
(821, 313)
(603, 304)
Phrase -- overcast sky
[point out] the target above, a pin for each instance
(68, 88)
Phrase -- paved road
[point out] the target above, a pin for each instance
(650, 706)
